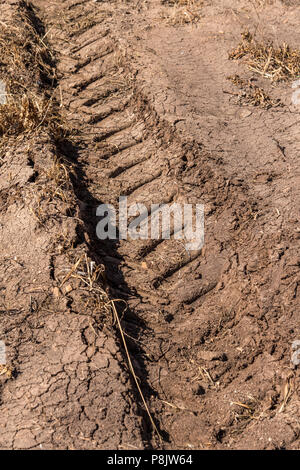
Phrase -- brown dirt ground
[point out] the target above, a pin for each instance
(138, 103)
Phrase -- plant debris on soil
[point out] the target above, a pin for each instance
(183, 11)
(27, 68)
(276, 63)
(253, 94)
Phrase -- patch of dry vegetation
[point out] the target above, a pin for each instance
(280, 63)
(184, 11)
(28, 71)
(24, 54)
(252, 94)
(30, 112)
(25, 113)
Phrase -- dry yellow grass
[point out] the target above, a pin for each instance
(280, 63)
(25, 113)
(184, 11)
(24, 54)
(6, 370)
(28, 72)
(30, 108)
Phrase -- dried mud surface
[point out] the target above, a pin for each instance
(148, 112)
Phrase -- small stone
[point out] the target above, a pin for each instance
(56, 292)
(245, 113)
(212, 356)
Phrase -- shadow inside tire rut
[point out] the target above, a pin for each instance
(106, 252)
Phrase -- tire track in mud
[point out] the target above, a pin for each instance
(124, 149)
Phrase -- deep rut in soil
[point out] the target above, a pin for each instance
(124, 150)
